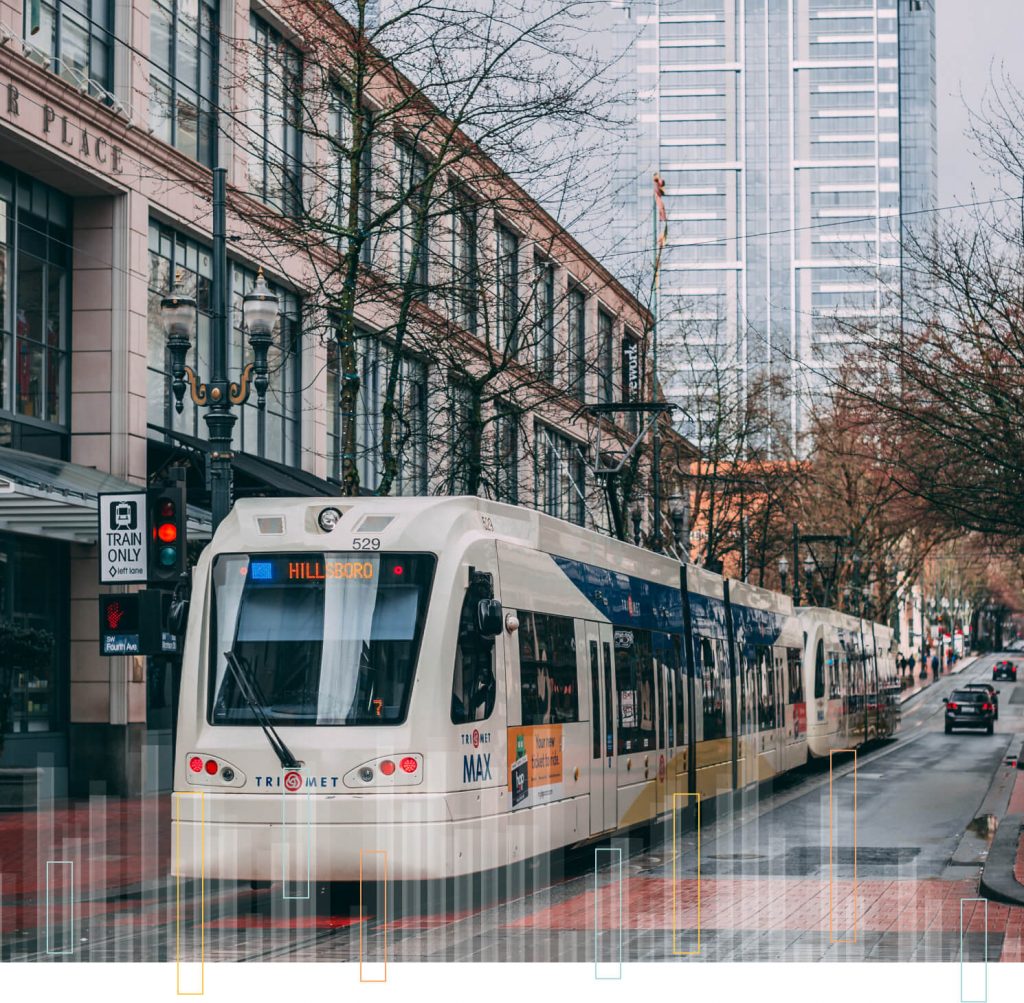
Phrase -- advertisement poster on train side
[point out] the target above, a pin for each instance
(534, 756)
(799, 719)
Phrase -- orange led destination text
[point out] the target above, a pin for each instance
(315, 570)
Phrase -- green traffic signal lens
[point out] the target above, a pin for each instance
(168, 556)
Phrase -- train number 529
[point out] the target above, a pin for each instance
(366, 543)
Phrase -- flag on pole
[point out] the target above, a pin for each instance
(659, 201)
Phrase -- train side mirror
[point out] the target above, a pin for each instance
(490, 619)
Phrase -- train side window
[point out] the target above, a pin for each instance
(666, 654)
(634, 684)
(766, 715)
(606, 671)
(547, 667)
(713, 691)
(796, 676)
(595, 700)
(680, 675)
(819, 671)
(473, 683)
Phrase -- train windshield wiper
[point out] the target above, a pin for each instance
(249, 689)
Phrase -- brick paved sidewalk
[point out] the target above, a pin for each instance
(115, 845)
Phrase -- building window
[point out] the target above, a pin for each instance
(506, 454)
(605, 355)
(460, 438)
(35, 272)
(272, 433)
(176, 258)
(75, 40)
(341, 135)
(558, 481)
(508, 290)
(577, 343)
(274, 137)
(413, 222)
(465, 276)
(409, 440)
(183, 49)
(544, 316)
(334, 422)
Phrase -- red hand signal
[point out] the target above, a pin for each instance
(114, 615)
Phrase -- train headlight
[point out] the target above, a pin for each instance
(328, 519)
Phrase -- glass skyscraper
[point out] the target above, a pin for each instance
(791, 135)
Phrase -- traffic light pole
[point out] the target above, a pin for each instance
(220, 416)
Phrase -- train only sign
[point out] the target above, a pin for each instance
(122, 538)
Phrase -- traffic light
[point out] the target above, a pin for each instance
(168, 539)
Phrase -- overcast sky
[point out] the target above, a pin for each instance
(973, 39)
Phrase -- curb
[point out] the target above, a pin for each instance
(997, 880)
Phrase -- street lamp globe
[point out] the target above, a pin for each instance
(260, 309)
(783, 566)
(178, 315)
(808, 565)
(259, 315)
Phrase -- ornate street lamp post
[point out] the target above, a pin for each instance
(219, 395)
(783, 573)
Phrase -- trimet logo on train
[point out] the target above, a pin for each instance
(294, 781)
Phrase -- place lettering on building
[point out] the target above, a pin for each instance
(62, 130)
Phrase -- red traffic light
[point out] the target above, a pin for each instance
(166, 509)
(167, 532)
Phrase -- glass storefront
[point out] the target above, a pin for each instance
(34, 630)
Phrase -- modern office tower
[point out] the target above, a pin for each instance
(790, 134)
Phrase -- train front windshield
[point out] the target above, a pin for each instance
(325, 638)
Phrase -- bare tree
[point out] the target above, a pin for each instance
(945, 383)
(422, 126)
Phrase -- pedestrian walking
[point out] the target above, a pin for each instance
(935, 666)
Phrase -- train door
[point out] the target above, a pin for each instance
(603, 793)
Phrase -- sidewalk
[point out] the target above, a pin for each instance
(116, 846)
(1002, 878)
(922, 684)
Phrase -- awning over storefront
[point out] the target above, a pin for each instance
(55, 499)
(255, 476)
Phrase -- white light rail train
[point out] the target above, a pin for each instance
(465, 685)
